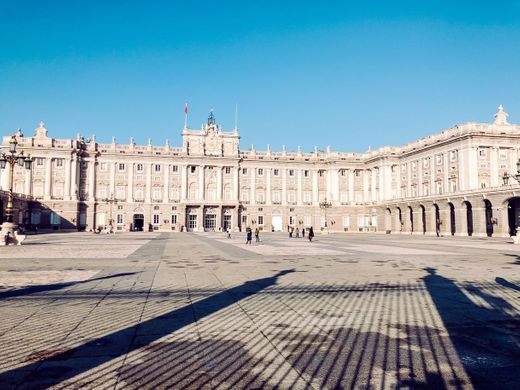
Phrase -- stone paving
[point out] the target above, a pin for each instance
(191, 311)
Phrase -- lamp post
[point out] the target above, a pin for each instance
(324, 206)
(9, 160)
(111, 200)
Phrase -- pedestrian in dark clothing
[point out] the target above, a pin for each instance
(257, 235)
(249, 236)
(303, 232)
(311, 234)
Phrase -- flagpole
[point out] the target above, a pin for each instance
(186, 115)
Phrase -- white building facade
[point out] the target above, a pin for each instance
(449, 183)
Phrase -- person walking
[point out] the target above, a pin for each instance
(291, 231)
(257, 235)
(228, 230)
(249, 236)
(303, 232)
(297, 231)
(311, 234)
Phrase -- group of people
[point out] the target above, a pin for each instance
(292, 233)
(249, 235)
(295, 232)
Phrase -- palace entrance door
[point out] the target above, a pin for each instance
(138, 222)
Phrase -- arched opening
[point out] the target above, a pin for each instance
(489, 217)
(138, 222)
(423, 218)
(513, 211)
(399, 219)
(437, 220)
(411, 218)
(388, 220)
(452, 218)
(469, 217)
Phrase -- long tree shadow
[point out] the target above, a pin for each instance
(485, 338)
(56, 286)
(121, 342)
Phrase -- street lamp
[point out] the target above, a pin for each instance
(12, 158)
(111, 200)
(516, 176)
(324, 206)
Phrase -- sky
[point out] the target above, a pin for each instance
(349, 74)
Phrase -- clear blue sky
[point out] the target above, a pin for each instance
(348, 74)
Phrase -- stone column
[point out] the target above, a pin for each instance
(446, 172)
(202, 183)
(235, 184)
(420, 191)
(430, 220)
(184, 182)
(495, 180)
(366, 193)
(74, 179)
(335, 185)
(299, 187)
(200, 219)
(479, 220)
(417, 220)
(252, 199)
(27, 185)
(408, 179)
(407, 224)
(219, 187)
(284, 186)
(501, 229)
(351, 185)
(398, 194)
(444, 214)
(48, 178)
(461, 221)
(130, 189)
(92, 181)
(67, 189)
(166, 188)
(148, 189)
(268, 186)
(112, 188)
(315, 194)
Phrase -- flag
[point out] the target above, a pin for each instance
(186, 108)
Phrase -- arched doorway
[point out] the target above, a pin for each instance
(437, 220)
(469, 217)
(138, 220)
(452, 218)
(513, 211)
(411, 218)
(423, 218)
(489, 217)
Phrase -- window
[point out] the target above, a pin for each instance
(175, 168)
(291, 172)
(157, 168)
(120, 207)
(260, 172)
(276, 172)
(120, 192)
(39, 161)
(502, 154)
(227, 170)
(453, 155)
(103, 166)
(321, 172)
(156, 207)
(306, 173)
(291, 220)
(55, 219)
(59, 162)
(119, 219)
(260, 219)
(276, 197)
(139, 194)
(244, 171)
(342, 172)
(307, 197)
(357, 173)
(482, 152)
(438, 158)
(244, 219)
(139, 167)
(156, 219)
(157, 193)
(174, 219)
(121, 167)
(193, 169)
(346, 221)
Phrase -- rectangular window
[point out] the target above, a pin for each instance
(119, 219)
(321, 172)
(307, 196)
(39, 161)
(227, 170)
(139, 167)
(175, 168)
(244, 219)
(306, 173)
(260, 172)
(59, 162)
(157, 168)
(193, 169)
(346, 221)
(156, 219)
(244, 171)
(260, 219)
(291, 172)
(55, 219)
(174, 219)
(482, 152)
(276, 172)
(103, 166)
(342, 172)
(291, 220)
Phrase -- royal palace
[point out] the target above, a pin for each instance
(461, 181)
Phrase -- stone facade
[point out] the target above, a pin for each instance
(448, 183)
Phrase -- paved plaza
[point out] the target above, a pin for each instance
(192, 311)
